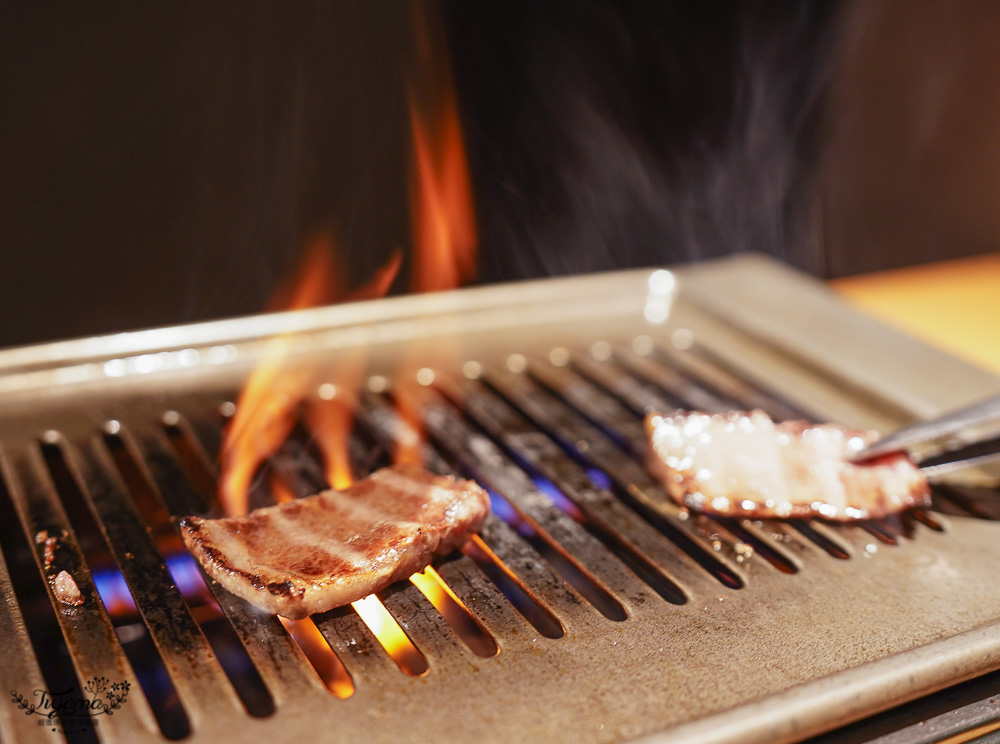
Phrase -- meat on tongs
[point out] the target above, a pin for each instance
(327, 550)
(743, 464)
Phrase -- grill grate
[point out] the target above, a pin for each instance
(590, 607)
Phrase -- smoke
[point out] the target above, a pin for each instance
(166, 163)
(613, 135)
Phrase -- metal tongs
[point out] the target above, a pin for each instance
(941, 428)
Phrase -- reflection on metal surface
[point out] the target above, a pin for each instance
(659, 297)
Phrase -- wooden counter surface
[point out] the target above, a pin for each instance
(954, 305)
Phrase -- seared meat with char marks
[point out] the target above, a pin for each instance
(336, 547)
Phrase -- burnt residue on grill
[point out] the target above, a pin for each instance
(38, 625)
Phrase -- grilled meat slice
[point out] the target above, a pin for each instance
(336, 547)
(742, 464)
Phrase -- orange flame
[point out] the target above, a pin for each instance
(328, 421)
(444, 229)
(281, 492)
(391, 636)
(329, 418)
(269, 402)
(316, 280)
(441, 201)
(268, 406)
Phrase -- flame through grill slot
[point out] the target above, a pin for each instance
(581, 539)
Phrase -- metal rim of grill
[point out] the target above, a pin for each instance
(590, 607)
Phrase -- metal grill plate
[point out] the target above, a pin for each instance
(809, 642)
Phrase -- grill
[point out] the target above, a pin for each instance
(589, 608)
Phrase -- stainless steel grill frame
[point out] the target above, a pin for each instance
(732, 631)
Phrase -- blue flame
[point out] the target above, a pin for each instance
(502, 508)
(599, 478)
(114, 591)
(560, 499)
(186, 574)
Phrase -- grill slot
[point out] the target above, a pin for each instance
(315, 648)
(636, 395)
(820, 537)
(684, 390)
(393, 639)
(455, 613)
(982, 503)
(364, 659)
(515, 590)
(20, 667)
(197, 468)
(925, 518)
(716, 374)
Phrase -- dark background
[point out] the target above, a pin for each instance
(164, 164)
